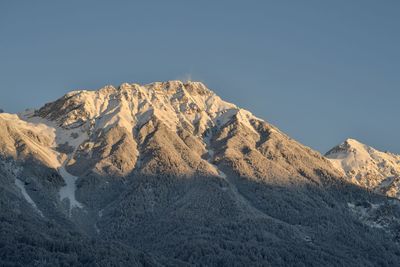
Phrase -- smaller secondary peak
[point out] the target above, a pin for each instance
(367, 166)
(347, 146)
(356, 146)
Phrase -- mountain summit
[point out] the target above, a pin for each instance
(368, 167)
(168, 173)
(170, 127)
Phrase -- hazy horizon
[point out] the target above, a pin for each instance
(321, 72)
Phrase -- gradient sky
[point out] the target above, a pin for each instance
(321, 71)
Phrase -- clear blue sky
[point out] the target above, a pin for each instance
(321, 71)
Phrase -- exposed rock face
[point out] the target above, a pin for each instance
(172, 170)
(368, 167)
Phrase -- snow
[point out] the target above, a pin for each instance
(14, 170)
(24, 128)
(221, 174)
(68, 191)
(368, 214)
(231, 186)
(60, 135)
(207, 141)
(176, 104)
(25, 194)
(131, 105)
(39, 128)
(243, 116)
(366, 166)
(72, 137)
(354, 158)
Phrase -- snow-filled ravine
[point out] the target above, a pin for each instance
(68, 191)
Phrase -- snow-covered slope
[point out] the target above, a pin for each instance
(368, 167)
(25, 140)
(36, 141)
(171, 168)
(168, 127)
(163, 128)
(132, 105)
(117, 118)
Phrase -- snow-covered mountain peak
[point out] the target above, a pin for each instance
(97, 122)
(350, 145)
(127, 164)
(367, 166)
(354, 143)
(174, 103)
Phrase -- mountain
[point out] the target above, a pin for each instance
(368, 167)
(170, 174)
